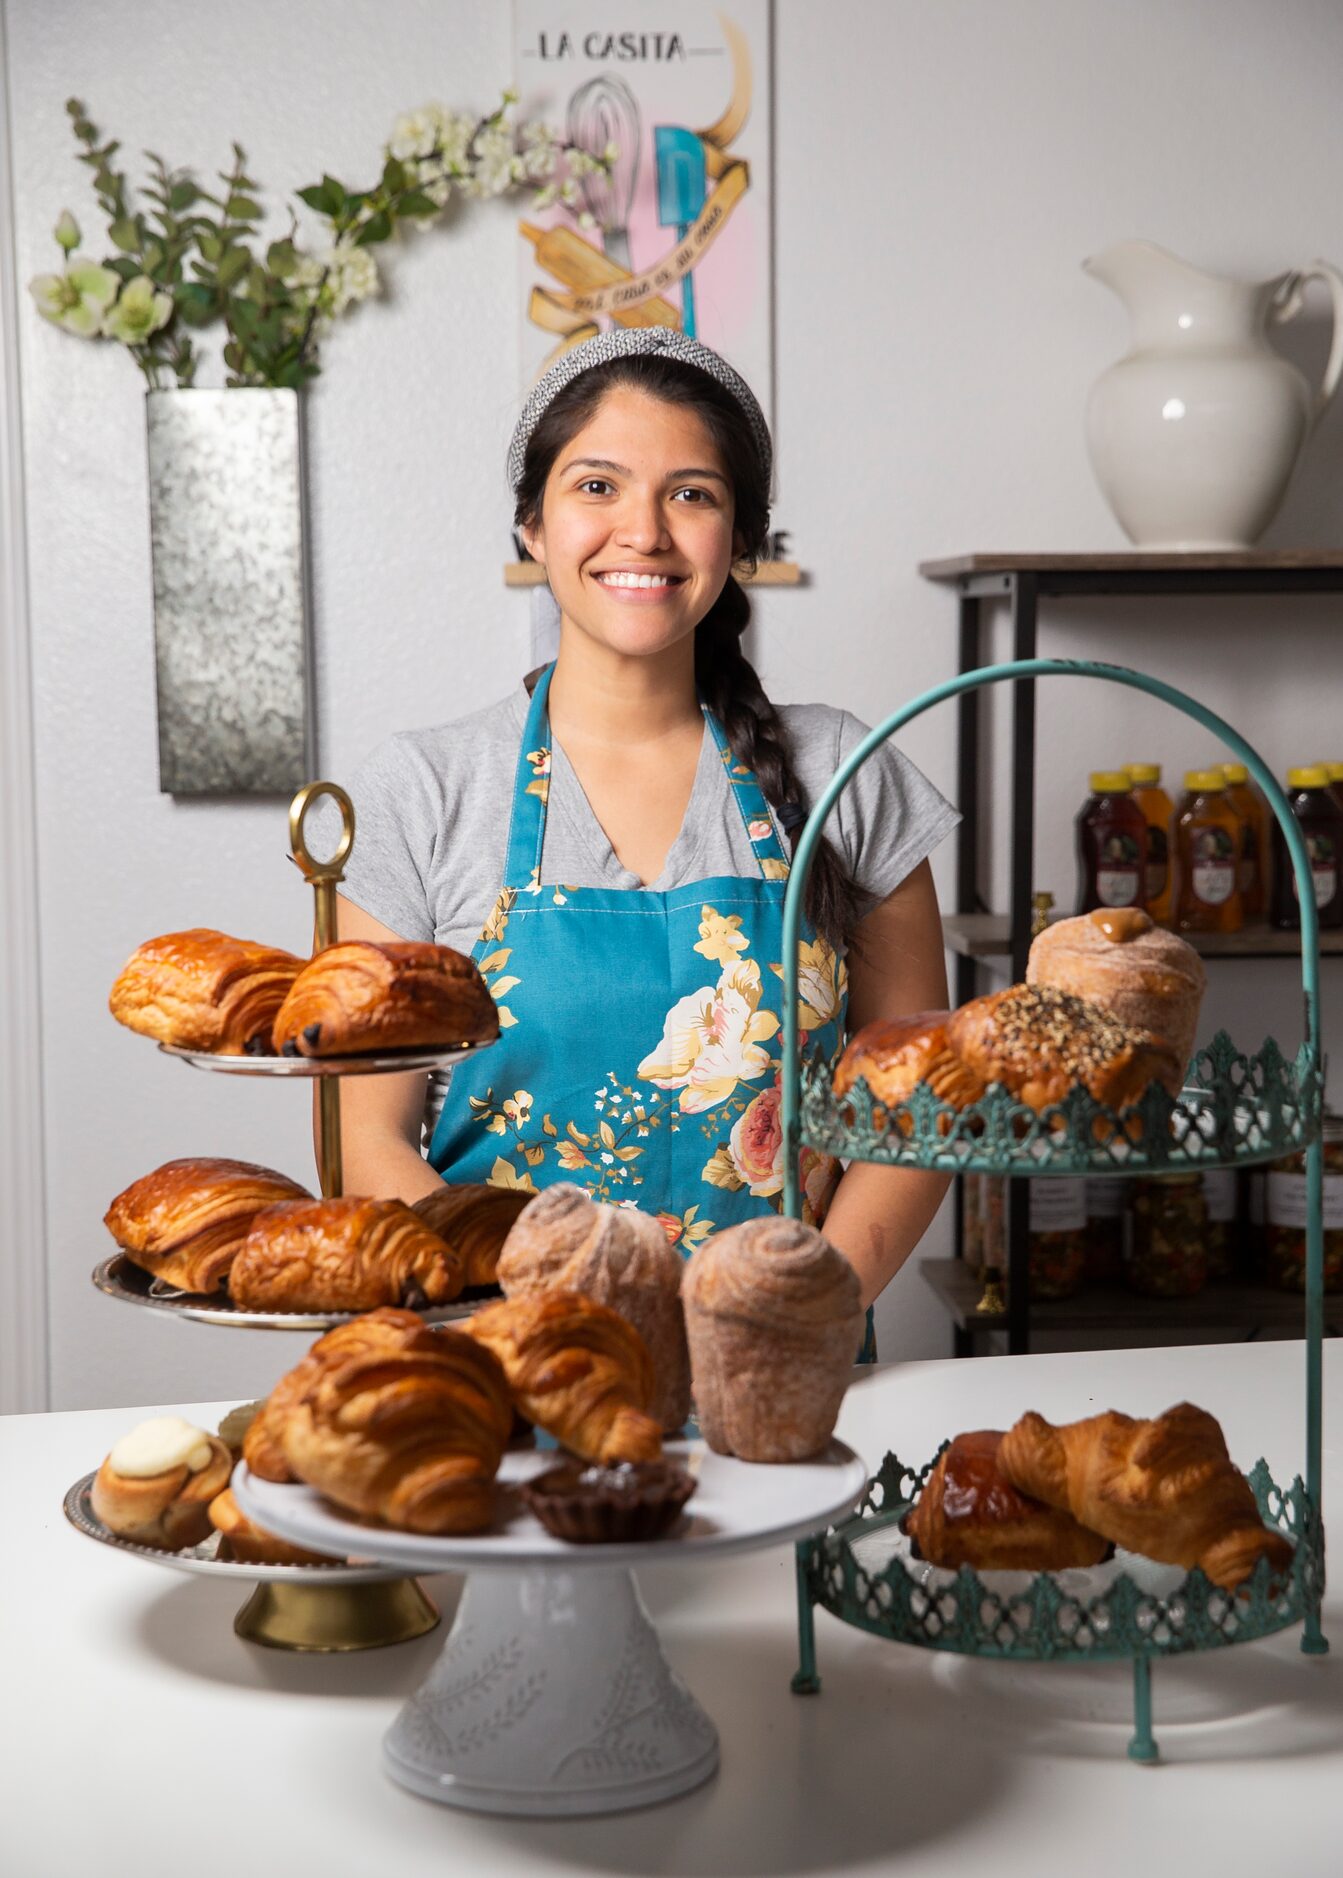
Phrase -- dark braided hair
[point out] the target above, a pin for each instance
(726, 679)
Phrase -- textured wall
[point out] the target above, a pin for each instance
(940, 173)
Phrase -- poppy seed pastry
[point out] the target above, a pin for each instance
(1039, 1043)
(1118, 958)
(364, 995)
(774, 1317)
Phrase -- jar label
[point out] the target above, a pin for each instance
(1214, 882)
(1058, 1205)
(1118, 886)
(1287, 1201)
(1219, 1190)
(1107, 1196)
(1323, 870)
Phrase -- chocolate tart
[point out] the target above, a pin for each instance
(590, 1505)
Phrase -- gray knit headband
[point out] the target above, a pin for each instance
(627, 343)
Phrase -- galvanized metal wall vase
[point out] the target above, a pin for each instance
(231, 613)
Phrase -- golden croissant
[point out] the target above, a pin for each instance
(350, 1254)
(578, 1370)
(376, 1330)
(408, 1432)
(475, 1220)
(1166, 1488)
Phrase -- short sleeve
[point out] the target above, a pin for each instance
(890, 816)
(387, 870)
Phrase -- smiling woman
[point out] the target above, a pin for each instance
(629, 920)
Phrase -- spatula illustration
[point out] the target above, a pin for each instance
(681, 193)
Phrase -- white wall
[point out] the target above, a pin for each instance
(941, 171)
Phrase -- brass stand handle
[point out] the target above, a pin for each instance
(324, 876)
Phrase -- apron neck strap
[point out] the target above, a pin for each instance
(531, 790)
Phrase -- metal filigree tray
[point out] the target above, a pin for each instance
(863, 1572)
(119, 1277)
(1236, 1110)
(369, 1065)
(78, 1509)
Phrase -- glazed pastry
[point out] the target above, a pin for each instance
(1133, 969)
(893, 1054)
(475, 1220)
(969, 1513)
(156, 1485)
(1166, 1488)
(590, 1505)
(1038, 1042)
(202, 990)
(246, 1544)
(410, 1435)
(576, 1369)
(620, 1257)
(185, 1223)
(381, 1330)
(342, 1255)
(774, 1316)
(365, 995)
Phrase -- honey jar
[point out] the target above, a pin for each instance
(1285, 1215)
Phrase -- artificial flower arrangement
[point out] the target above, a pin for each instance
(191, 257)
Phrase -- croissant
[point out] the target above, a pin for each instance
(246, 1544)
(365, 995)
(410, 1436)
(342, 1255)
(185, 1223)
(156, 1485)
(1038, 1042)
(202, 990)
(774, 1316)
(475, 1220)
(620, 1257)
(894, 1053)
(385, 1329)
(578, 1370)
(1166, 1488)
(969, 1513)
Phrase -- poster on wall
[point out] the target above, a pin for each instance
(678, 233)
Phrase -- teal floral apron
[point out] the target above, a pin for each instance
(641, 1032)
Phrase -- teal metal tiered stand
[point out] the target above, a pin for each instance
(1237, 1110)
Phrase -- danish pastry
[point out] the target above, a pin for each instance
(364, 995)
(202, 990)
(156, 1485)
(185, 1223)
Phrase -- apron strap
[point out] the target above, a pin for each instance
(531, 789)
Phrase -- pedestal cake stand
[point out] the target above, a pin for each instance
(552, 1695)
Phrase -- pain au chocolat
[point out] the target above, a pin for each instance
(969, 1513)
(364, 995)
(202, 990)
(186, 1222)
(349, 1254)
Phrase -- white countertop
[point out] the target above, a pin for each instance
(139, 1735)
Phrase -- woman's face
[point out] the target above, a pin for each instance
(636, 529)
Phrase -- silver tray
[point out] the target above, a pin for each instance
(120, 1277)
(309, 1066)
(78, 1509)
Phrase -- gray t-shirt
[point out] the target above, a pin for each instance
(432, 811)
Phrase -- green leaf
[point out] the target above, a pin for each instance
(415, 202)
(123, 268)
(183, 195)
(327, 197)
(235, 262)
(377, 228)
(281, 257)
(195, 303)
(210, 246)
(153, 256)
(243, 209)
(394, 175)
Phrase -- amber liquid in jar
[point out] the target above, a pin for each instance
(1111, 845)
(1321, 822)
(1207, 857)
(1255, 849)
(1157, 811)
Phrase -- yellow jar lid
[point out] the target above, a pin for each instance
(1203, 780)
(1334, 771)
(1144, 773)
(1309, 776)
(1109, 782)
(1235, 772)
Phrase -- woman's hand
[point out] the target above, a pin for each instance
(380, 1116)
(897, 966)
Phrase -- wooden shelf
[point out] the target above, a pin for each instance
(989, 935)
(1239, 1308)
(767, 574)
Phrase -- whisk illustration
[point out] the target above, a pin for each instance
(601, 112)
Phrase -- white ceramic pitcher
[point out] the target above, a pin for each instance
(1195, 433)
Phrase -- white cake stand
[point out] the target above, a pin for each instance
(552, 1695)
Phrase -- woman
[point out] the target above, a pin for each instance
(611, 846)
